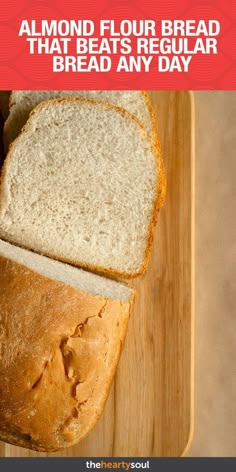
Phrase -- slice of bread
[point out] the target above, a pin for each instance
(62, 331)
(22, 102)
(83, 183)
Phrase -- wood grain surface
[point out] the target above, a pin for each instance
(150, 408)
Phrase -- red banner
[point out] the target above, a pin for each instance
(166, 44)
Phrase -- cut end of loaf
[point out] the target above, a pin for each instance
(66, 274)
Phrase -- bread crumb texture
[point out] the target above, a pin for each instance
(82, 184)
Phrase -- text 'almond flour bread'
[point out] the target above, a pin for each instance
(83, 183)
(22, 102)
(62, 331)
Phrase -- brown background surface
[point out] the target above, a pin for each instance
(215, 317)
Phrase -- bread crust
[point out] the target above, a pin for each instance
(59, 349)
(162, 176)
(13, 102)
(160, 188)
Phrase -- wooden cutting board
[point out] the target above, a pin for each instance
(150, 408)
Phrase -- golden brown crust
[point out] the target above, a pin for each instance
(155, 137)
(161, 180)
(153, 119)
(59, 348)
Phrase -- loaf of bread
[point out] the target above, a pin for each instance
(22, 102)
(83, 183)
(61, 334)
